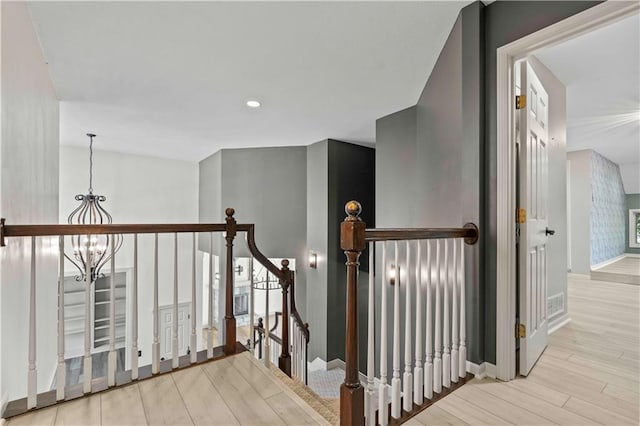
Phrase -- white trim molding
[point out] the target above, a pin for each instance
(486, 369)
(558, 323)
(574, 26)
(607, 262)
(633, 242)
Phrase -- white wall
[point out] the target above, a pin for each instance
(580, 188)
(630, 177)
(140, 189)
(28, 194)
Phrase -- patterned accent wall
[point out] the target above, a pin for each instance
(608, 210)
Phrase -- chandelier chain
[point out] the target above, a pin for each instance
(91, 165)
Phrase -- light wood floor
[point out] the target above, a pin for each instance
(587, 375)
(231, 391)
(625, 270)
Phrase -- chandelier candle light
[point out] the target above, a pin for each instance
(91, 252)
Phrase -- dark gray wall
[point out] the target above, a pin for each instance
(504, 22)
(633, 202)
(351, 177)
(336, 173)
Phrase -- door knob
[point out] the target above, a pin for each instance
(548, 231)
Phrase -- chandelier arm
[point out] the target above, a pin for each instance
(79, 197)
(76, 265)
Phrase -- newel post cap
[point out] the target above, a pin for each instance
(352, 229)
(353, 210)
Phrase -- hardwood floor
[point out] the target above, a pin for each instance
(230, 391)
(625, 270)
(589, 373)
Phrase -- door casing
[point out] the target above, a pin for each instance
(576, 25)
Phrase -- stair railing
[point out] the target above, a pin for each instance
(428, 265)
(36, 235)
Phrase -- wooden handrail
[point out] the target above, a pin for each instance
(469, 232)
(285, 277)
(353, 240)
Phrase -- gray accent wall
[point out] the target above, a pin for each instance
(427, 156)
(267, 187)
(318, 242)
(504, 22)
(436, 162)
(633, 202)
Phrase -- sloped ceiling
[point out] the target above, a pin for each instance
(601, 71)
(171, 79)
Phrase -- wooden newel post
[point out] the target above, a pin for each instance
(352, 241)
(229, 318)
(284, 362)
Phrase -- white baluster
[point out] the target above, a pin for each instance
(437, 362)
(193, 341)
(111, 359)
(210, 333)
(134, 312)
(370, 413)
(407, 378)
(418, 374)
(383, 389)
(428, 363)
(446, 358)
(463, 325)
(267, 340)
(395, 381)
(155, 346)
(175, 357)
(455, 361)
(252, 308)
(32, 384)
(87, 361)
(61, 370)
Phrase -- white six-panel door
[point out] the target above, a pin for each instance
(166, 327)
(534, 132)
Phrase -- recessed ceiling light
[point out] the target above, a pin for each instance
(253, 104)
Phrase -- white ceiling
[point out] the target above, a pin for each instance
(171, 79)
(601, 71)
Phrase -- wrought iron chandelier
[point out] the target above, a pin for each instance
(93, 251)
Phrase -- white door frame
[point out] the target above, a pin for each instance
(576, 25)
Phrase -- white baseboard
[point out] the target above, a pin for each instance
(576, 275)
(4, 400)
(607, 262)
(336, 363)
(317, 364)
(559, 322)
(320, 364)
(486, 369)
(636, 255)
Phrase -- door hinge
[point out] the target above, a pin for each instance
(521, 331)
(521, 101)
(521, 215)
